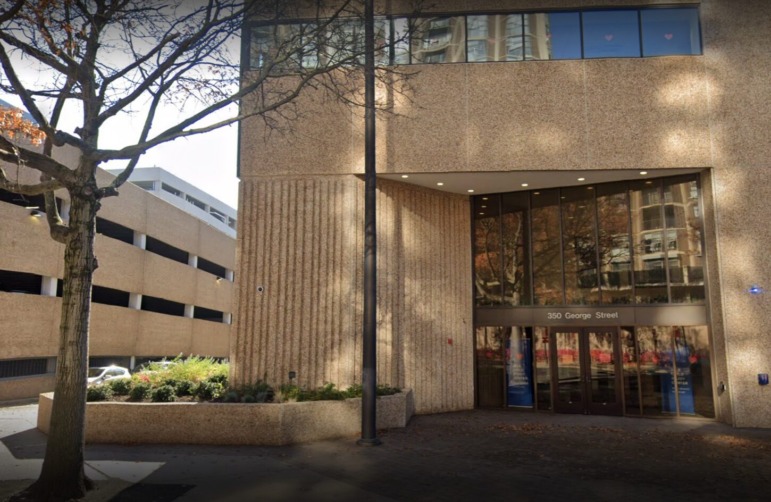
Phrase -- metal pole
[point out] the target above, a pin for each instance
(369, 346)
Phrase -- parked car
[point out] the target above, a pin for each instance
(101, 374)
(153, 366)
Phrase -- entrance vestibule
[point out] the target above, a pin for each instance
(610, 370)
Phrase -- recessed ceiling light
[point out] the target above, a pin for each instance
(590, 188)
(648, 182)
(524, 184)
(483, 207)
(484, 198)
(440, 184)
(581, 179)
(405, 176)
(643, 173)
(536, 193)
(470, 190)
(481, 214)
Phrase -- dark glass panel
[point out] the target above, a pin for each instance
(650, 274)
(569, 384)
(516, 260)
(631, 378)
(490, 366)
(579, 246)
(487, 250)
(602, 367)
(518, 343)
(696, 340)
(547, 259)
(615, 251)
(683, 241)
(553, 36)
(611, 34)
(439, 40)
(670, 31)
(656, 369)
(542, 368)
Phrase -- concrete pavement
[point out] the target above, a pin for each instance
(481, 454)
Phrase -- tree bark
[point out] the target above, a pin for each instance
(63, 476)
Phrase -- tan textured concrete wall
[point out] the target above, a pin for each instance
(305, 237)
(737, 73)
(266, 424)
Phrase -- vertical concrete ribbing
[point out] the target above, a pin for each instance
(302, 240)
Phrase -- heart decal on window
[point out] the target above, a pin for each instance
(668, 36)
(609, 37)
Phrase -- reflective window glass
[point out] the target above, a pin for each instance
(439, 40)
(490, 365)
(487, 250)
(579, 246)
(683, 242)
(656, 369)
(546, 244)
(542, 368)
(401, 43)
(515, 238)
(495, 38)
(553, 36)
(611, 34)
(614, 246)
(631, 378)
(650, 275)
(695, 366)
(670, 31)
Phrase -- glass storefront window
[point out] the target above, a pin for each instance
(547, 253)
(401, 44)
(611, 34)
(488, 261)
(495, 38)
(615, 253)
(554, 36)
(579, 246)
(650, 274)
(541, 357)
(631, 378)
(439, 40)
(490, 364)
(670, 31)
(515, 237)
(656, 369)
(683, 242)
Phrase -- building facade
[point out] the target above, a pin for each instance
(568, 213)
(163, 286)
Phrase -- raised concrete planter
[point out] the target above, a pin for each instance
(266, 424)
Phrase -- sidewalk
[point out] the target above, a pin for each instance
(483, 454)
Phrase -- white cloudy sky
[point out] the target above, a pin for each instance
(207, 161)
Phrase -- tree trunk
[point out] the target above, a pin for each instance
(63, 476)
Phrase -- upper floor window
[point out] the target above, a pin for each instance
(607, 33)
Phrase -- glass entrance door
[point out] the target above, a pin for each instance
(586, 374)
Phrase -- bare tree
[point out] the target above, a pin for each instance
(101, 58)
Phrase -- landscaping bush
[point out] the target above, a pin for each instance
(209, 390)
(98, 393)
(163, 394)
(139, 391)
(120, 386)
(184, 387)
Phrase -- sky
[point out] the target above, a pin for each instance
(207, 161)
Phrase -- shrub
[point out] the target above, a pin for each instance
(248, 399)
(140, 391)
(231, 397)
(163, 394)
(184, 387)
(98, 393)
(120, 386)
(209, 391)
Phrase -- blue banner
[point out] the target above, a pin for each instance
(519, 372)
